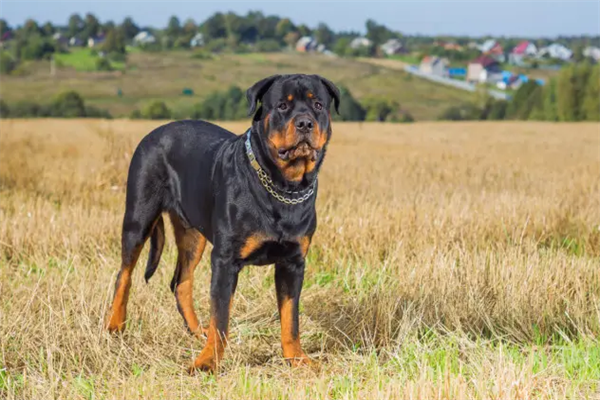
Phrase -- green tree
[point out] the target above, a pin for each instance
(342, 45)
(378, 110)
(129, 28)
(284, 27)
(549, 101)
(7, 64)
(48, 29)
(30, 28)
(4, 109)
(591, 104)
(214, 27)
(114, 42)
(377, 33)
(157, 110)
(324, 35)
(527, 97)
(571, 91)
(69, 105)
(174, 27)
(4, 27)
(91, 26)
(350, 109)
(76, 25)
(498, 110)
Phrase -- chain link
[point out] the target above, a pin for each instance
(268, 184)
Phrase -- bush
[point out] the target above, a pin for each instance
(268, 46)
(117, 57)
(94, 112)
(37, 48)
(156, 110)
(216, 45)
(25, 109)
(102, 64)
(350, 109)
(68, 105)
(464, 112)
(4, 109)
(497, 110)
(135, 114)
(7, 64)
(201, 55)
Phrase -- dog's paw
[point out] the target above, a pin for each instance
(204, 362)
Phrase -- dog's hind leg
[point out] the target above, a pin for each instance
(141, 218)
(190, 246)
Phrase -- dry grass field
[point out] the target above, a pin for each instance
(452, 261)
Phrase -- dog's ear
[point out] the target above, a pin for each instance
(257, 91)
(334, 92)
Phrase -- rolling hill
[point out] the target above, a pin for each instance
(164, 75)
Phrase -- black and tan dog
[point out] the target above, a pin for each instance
(252, 196)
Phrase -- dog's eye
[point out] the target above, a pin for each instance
(318, 106)
(282, 106)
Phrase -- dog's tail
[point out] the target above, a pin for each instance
(157, 242)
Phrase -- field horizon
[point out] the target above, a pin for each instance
(452, 261)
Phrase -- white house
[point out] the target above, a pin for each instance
(306, 44)
(434, 65)
(144, 37)
(96, 40)
(393, 46)
(592, 52)
(556, 50)
(197, 40)
(359, 42)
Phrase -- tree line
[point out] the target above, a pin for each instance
(231, 104)
(573, 95)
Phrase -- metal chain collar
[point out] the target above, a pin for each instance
(268, 184)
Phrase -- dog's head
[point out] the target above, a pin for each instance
(294, 120)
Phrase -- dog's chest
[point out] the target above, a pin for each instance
(261, 249)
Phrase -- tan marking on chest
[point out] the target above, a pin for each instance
(252, 243)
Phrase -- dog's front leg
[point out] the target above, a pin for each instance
(222, 287)
(288, 283)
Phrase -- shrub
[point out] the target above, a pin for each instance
(350, 109)
(102, 64)
(135, 114)
(25, 109)
(68, 105)
(157, 110)
(7, 64)
(268, 46)
(4, 109)
(94, 112)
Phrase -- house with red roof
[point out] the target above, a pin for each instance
(484, 69)
(521, 51)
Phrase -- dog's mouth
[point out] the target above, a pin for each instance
(301, 150)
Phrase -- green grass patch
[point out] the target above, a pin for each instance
(83, 60)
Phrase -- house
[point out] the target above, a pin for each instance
(76, 42)
(453, 46)
(6, 36)
(359, 42)
(96, 41)
(521, 51)
(306, 44)
(555, 50)
(484, 69)
(144, 37)
(197, 40)
(393, 46)
(487, 45)
(434, 65)
(592, 52)
(511, 81)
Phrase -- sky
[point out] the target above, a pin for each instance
(473, 18)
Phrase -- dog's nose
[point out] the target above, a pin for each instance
(304, 124)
